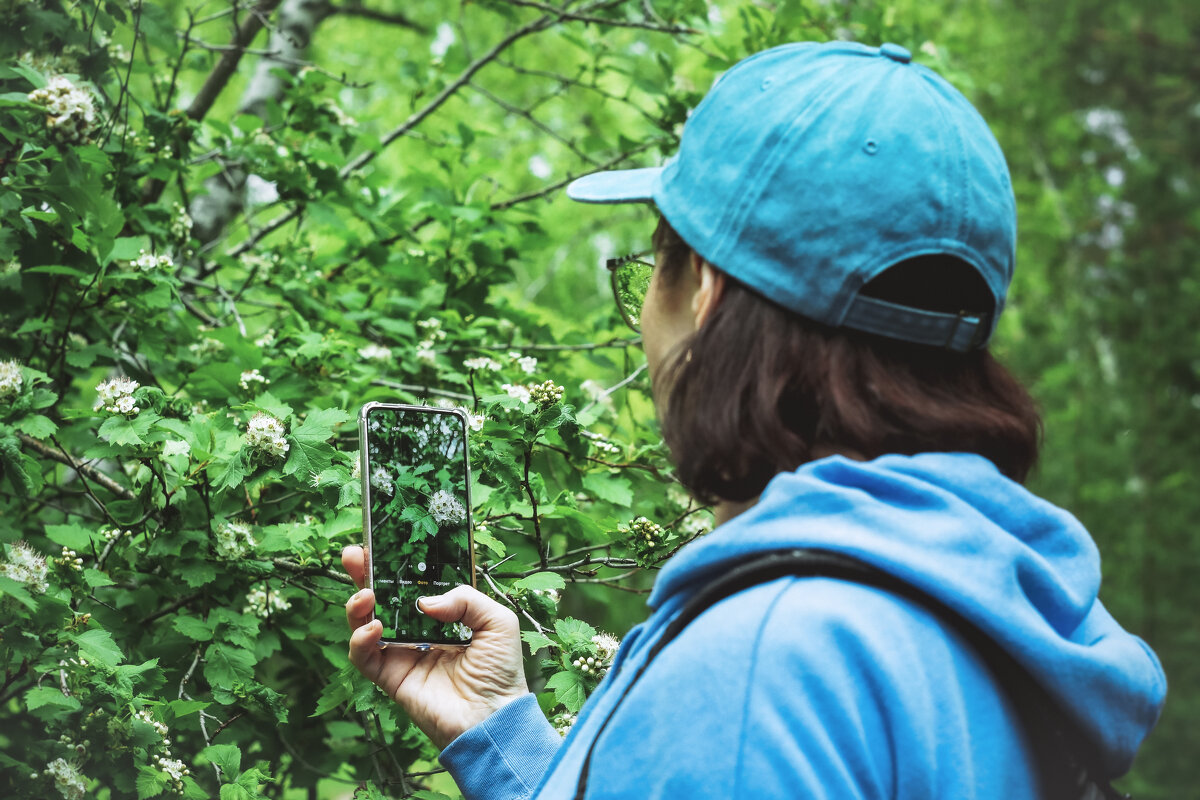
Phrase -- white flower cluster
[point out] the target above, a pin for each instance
(175, 770)
(206, 347)
(70, 559)
(234, 539)
(148, 261)
(696, 524)
(607, 645)
(482, 363)
(70, 112)
(25, 565)
(444, 508)
(356, 470)
(528, 364)
(563, 722)
(381, 480)
(111, 534)
(433, 333)
(375, 352)
(339, 116)
(116, 396)
(545, 394)
(252, 376)
(260, 602)
(267, 339)
(603, 445)
(461, 631)
(644, 532)
(181, 224)
(265, 433)
(145, 716)
(10, 379)
(517, 391)
(67, 779)
(596, 392)
(550, 594)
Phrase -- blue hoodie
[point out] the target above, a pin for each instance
(820, 688)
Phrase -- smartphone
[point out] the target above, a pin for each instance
(416, 517)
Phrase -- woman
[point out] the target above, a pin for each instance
(837, 239)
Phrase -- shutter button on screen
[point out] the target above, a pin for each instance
(895, 52)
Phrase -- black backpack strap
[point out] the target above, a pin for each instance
(1065, 759)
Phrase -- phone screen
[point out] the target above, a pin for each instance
(417, 512)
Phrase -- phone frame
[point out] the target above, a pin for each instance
(365, 476)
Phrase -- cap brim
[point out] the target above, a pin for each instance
(617, 186)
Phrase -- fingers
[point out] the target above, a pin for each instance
(359, 608)
(355, 563)
(365, 653)
(473, 608)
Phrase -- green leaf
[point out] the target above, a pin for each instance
(227, 757)
(150, 782)
(97, 645)
(541, 581)
(226, 665)
(318, 425)
(573, 632)
(307, 456)
(568, 689)
(192, 627)
(121, 431)
(182, 708)
(40, 696)
(336, 692)
(612, 488)
(73, 536)
(485, 538)
(536, 641)
(36, 425)
(17, 592)
(95, 578)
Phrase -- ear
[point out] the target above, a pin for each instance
(710, 283)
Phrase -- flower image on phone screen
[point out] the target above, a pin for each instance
(417, 514)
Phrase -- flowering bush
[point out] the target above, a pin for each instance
(198, 291)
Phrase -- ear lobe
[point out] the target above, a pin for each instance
(709, 291)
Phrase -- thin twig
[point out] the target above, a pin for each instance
(61, 457)
(415, 389)
(616, 387)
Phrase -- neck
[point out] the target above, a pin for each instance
(726, 510)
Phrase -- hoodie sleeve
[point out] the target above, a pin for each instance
(503, 757)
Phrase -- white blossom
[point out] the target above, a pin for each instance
(461, 631)
(517, 391)
(475, 421)
(265, 433)
(260, 602)
(267, 339)
(607, 645)
(145, 716)
(252, 376)
(426, 354)
(67, 779)
(381, 480)
(234, 539)
(175, 770)
(116, 396)
(148, 261)
(70, 112)
(482, 363)
(26, 565)
(432, 328)
(10, 380)
(206, 347)
(444, 508)
(356, 470)
(528, 364)
(563, 722)
(375, 352)
(181, 223)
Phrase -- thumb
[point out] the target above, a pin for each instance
(472, 608)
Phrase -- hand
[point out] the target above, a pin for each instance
(445, 692)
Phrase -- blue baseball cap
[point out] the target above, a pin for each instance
(809, 169)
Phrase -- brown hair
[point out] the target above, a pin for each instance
(758, 389)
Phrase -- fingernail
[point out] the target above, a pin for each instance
(360, 594)
(428, 602)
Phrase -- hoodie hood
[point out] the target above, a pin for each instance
(1022, 570)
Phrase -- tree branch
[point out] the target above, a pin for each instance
(55, 454)
(357, 9)
(657, 27)
(217, 79)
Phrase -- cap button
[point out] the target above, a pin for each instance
(895, 52)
